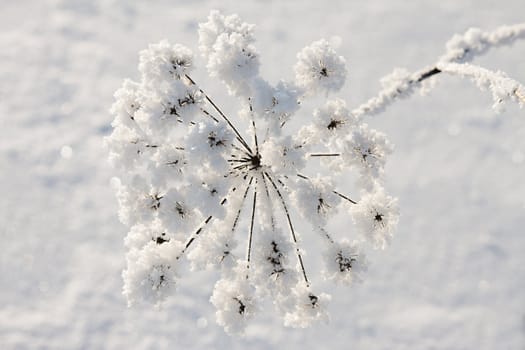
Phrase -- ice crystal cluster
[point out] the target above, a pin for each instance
(228, 191)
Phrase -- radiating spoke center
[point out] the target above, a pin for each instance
(255, 161)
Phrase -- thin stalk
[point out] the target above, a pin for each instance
(241, 150)
(333, 191)
(344, 197)
(242, 166)
(248, 257)
(326, 235)
(254, 128)
(292, 230)
(324, 154)
(209, 115)
(242, 160)
(237, 216)
(255, 137)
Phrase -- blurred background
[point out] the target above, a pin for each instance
(454, 276)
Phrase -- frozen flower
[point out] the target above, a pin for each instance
(235, 303)
(142, 234)
(168, 163)
(218, 25)
(163, 62)
(202, 183)
(309, 307)
(315, 200)
(227, 43)
(128, 148)
(151, 273)
(331, 123)
(175, 211)
(216, 250)
(319, 68)
(271, 264)
(376, 215)
(127, 103)
(344, 262)
(366, 150)
(198, 183)
(138, 201)
(333, 120)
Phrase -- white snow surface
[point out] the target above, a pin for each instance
(454, 275)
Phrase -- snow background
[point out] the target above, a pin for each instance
(454, 276)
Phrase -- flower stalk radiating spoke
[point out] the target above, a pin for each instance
(187, 170)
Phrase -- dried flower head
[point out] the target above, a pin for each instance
(193, 184)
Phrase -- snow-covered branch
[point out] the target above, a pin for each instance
(460, 49)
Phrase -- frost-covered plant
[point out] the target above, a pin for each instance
(194, 181)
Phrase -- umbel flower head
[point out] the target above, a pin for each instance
(193, 184)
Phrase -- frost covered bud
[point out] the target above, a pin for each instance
(344, 263)
(319, 68)
(309, 308)
(151, 273)
(235, 303)
(366, 150)
(163, 62)
(376, 216)
(315, 199)
(227, 43)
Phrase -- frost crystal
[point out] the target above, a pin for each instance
(194, 184)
